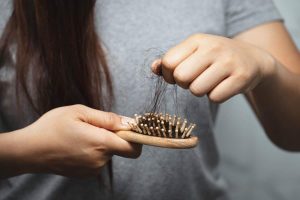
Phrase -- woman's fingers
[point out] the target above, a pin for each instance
(209, 79)
(195, 64)
(191, 68)
(107, 120)
(174, 57)
(215, 80)
(114, 144)
(98, 124)
(226, 89)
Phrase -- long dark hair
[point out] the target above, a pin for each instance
(58, 57)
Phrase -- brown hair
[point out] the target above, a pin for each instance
(58, 53)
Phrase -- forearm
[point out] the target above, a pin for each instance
(275, 102)
(13, 154)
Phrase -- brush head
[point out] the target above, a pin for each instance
(161, 130)
(162, 125)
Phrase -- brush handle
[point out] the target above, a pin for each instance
(173, 143)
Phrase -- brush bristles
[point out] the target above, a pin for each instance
(154, 124)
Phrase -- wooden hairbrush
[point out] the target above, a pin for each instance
(161, 130)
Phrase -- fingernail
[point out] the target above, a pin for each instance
(126, 121)
(156, 68)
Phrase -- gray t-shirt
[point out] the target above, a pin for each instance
(132, 32)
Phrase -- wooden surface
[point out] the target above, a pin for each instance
(158, 141)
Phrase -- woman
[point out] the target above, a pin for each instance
(50, 56)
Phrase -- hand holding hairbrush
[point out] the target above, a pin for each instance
(161, 130)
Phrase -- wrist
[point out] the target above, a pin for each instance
(16, 154)
(269, 75)
(30, 154)
(269, 66)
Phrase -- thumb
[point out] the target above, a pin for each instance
(106, 120)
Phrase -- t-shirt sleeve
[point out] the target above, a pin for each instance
(242, 15)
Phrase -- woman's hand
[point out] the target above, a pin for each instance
(214, 65)
(71, 141)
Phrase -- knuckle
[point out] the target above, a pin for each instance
(195, 37)
(217, 47)
(196, 90)
(77, 108)
(168, 62)
(230, 59)
(180, 78)
(215, 98)
(110, 119)
(243, 77)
